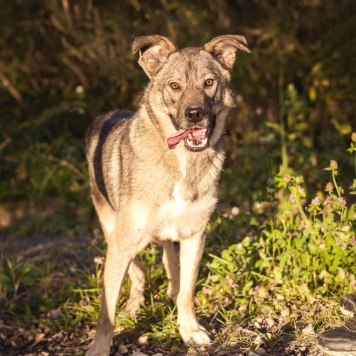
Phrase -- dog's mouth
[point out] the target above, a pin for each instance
(195, 139)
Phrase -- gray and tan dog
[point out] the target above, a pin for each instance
(154, 174)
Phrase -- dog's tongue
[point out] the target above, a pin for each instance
(172, 141)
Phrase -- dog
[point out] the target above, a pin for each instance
(154, 174)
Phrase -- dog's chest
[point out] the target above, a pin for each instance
(178, 218)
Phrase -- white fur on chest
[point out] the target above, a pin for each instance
(178, 219)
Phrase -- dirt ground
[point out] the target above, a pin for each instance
(16, 339)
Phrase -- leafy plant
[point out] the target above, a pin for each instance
(301, 250)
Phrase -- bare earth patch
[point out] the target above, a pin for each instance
(68, 257)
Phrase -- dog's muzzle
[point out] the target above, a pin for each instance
(195, 138)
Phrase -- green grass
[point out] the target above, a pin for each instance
(284, 260)
(300, 256)
(281, 247)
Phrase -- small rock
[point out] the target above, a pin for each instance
(235, 211)
(247, 331)
(252, 354)
(270, 322)
(258, 340)
(138, 353)
(285, 312)
(308, 330)
(59, 335)
(123, 349)
(143, 340)
(54, 313)
(260, 351)
(40, 336)
(242, 308)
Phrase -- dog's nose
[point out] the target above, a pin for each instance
(194, 114)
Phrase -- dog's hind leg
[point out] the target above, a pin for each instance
(171, 264)
(191, 251)
(137, 277)
(105, 213)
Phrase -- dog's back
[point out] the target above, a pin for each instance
(96, 139)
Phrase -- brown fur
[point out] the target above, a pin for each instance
(145, 192)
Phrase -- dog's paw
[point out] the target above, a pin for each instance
(133, 305)
(195, 337)
(96, 349)
(173, 295)
(173, 290)
(97, 353)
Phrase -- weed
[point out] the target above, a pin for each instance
(302, 251)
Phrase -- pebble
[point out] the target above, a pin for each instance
(123, 349)
(143, 340)
(308, 330)
(257, 324)
(235, 211)
(285, 312)
(54, 313)
(257, 340)
(270, 322)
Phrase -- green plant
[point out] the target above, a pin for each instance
(301, 250)
(14, 276)
(270, 246)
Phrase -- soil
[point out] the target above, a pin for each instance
(17, 339)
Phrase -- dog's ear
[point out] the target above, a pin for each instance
(223, 48)
(154, 52)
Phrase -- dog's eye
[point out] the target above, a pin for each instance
(174, 86)
(209, 82)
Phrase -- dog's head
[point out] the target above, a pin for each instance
(192, 86)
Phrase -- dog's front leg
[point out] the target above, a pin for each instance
(191, 251)
(118, 259)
